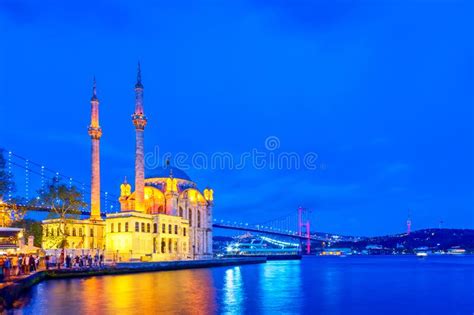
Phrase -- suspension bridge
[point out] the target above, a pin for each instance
(36, 176)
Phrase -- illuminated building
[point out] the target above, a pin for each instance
(10, 239)
(166, 218)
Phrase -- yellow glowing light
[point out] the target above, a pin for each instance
(125, 190)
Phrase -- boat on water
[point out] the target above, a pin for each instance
(261, 246)
(421, 254)
(456, 250)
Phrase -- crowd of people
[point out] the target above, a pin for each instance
(77, 261)
(17, 265)
(23, 264)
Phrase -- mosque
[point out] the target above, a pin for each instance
(166, 218)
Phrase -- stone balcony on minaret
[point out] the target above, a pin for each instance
(95, 132)
(139, 121)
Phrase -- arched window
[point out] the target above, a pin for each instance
(46, 232)
(163, 228)
(170, 229)
(163, 246)
(137, 227)
(119, 227)
(181, 212)
(155, 228)
(92, 233)
(126, 226)
(73, 232)
(169, 245)
(176, 229)
(199, 218)
(143, 227)
(184, 231)
(112, 227)
(80, 232)
(148, 227)
(190, 217)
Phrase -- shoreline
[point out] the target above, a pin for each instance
(13, 291)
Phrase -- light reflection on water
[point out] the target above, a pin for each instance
(280, 287)
(369, 285)
(233, 291)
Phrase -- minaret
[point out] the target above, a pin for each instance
(139, 121)
(95, 132)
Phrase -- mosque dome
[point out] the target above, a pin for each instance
(161, 172)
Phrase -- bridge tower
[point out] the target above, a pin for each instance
(139, 121)
(300, 220)
(306, 226)
(408, 225)
(95, 133)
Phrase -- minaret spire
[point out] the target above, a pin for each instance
(95, 132)
(139, 77)
(139, 121)
(94, 91)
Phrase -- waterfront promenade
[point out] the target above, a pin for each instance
(11, 291)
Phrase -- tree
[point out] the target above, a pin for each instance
(31, 228)
(65, 204)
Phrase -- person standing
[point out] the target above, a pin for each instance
(25, 264)
(7, 267)
(2, 266)
(61, 259)
(37, 262)
(32, 263)
(20, 264)
(54, 260)
(15, 265)
(68, 261)
(101, 260)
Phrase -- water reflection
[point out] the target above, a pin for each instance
(280, 286)
(353, 285)
(151, 293)
(233, 291)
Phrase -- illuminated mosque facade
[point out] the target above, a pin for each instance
(166, 218)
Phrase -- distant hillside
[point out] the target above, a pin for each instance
(435, 239)
(439, 239)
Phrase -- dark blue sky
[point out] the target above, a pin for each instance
(382, 91)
